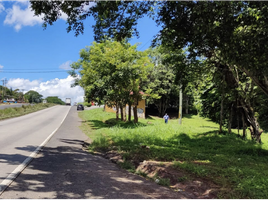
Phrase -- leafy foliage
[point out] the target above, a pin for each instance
(55, 100)
(33, 97)
(112, 72)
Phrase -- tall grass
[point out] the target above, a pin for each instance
(238, 166)
(25, 109)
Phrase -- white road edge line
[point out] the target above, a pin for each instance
(11, 177)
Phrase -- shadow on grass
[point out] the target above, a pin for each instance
(149, 117)
(97, 124)
(188, 116)
(208, 127)
(225, 159)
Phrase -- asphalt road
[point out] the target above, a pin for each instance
(62, 170)
(21, 136)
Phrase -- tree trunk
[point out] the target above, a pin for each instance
(237, 119)
(187, 104)
(162, 105)
(129, 111)
(221, 113)
(262, 82)
(124, 113)
(252, 120)
(135, 112)
(180, 106)
(230, 120)
(117, 111)
(244, 126)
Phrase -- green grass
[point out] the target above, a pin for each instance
(238, 166)
(25, 109)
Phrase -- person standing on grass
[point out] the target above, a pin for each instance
(166, 117)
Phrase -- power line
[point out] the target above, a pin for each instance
(20, 72)
(146, 43)
(46, 69)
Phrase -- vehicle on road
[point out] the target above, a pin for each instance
(80, 107)
(68, 101)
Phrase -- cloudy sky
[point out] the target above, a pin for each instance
(32, 58)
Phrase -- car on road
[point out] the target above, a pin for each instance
(80, 107)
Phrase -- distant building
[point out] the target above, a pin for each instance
(10, 101)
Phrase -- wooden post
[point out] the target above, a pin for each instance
(180, 106)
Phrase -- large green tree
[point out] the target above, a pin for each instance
(33, 97)
(237, 30)
(113, 72)
(55, 99)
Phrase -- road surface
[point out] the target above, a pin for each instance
(21, 136)
(62, 170)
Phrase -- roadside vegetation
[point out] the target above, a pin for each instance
(23, 110)
(238, 166)
(211, 53)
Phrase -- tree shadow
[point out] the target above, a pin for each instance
(97, 124)
(68, 172)
(149, 117)
(188, 116)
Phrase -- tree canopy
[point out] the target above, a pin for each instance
(237, 30)
(55, 99)
(112, 72)
(231, 36)
(33, 97)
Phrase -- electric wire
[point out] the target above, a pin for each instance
(19, 71)
(41, 72)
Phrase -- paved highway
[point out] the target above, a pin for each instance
(21, 136)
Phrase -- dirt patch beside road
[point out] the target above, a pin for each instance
(177, 179)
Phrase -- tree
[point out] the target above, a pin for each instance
(116, 19)
(235, 32)
(55, 99)
(114, 72)
(161, 81)
(237, 29)
(33, 97)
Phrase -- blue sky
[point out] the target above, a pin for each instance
(32, 58)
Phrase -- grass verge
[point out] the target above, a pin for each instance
(238, 166)
(23, 110)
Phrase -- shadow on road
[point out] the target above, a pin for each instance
(68, 172)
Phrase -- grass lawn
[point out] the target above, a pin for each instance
(239, 166)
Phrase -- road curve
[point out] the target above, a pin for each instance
(21, 136)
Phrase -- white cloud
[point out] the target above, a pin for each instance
(18, 17)
(55, 87)
(66, 65)
(1, 66)
(2, 8)
(21, 15)
(63, 16)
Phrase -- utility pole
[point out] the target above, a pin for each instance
(180, 106)
(5, 84)
(3, 90)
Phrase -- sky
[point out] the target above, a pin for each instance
(32, 58)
